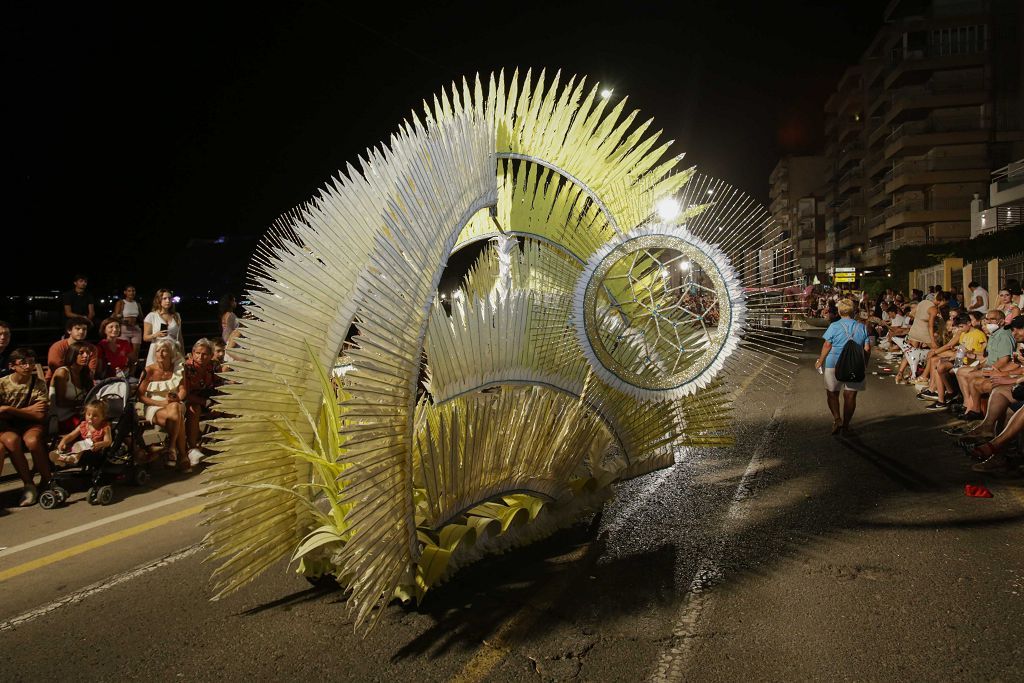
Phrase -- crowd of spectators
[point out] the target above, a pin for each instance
(962, 352)
(44, 408)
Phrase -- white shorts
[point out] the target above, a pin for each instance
(132, 333)
(834, 385)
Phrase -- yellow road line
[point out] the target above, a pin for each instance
(98, 543)
(516, 627)
(519, 624)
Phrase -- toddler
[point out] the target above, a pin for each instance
(91, 435)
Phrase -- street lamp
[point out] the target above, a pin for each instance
(606, 93)
(667, 208)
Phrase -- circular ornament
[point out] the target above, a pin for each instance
(658, 311)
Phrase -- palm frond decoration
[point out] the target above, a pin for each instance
(392, 483)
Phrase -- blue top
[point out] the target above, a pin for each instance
(837, 334)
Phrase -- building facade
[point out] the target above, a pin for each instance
(798, 210)
(914, 131)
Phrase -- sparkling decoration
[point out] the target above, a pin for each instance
(387, 433)
(661, 311)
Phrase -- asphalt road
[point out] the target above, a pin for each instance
(793, 556)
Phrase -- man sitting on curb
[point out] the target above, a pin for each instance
(23, 405)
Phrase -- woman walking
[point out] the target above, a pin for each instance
(836, 336)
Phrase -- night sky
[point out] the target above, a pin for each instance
(128, 133)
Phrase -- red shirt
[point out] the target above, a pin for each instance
(113, 360)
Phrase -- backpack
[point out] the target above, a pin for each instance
(850, 366)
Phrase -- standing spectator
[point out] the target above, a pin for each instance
(5, 340)
(114, 354)
(162, 322)
(70, 385)
(228, 319)
(930, 296)
(926, 317)
(79, 302)
(128, 311)
(978, 298)
(23, 407)
(77, 328)
(836, 336)
(162, 391)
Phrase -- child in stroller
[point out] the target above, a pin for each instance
(92, 435)
(111, 418)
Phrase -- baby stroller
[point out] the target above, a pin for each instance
(98, 471)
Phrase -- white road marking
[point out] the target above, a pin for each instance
(672, 662)
(98, 587)
(100, 522)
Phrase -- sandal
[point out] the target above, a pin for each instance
(983, 452)
(836, 426)
(29, 496)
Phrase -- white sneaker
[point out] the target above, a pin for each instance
(195, 455)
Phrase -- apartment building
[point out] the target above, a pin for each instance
(798, 211)
(915, 129)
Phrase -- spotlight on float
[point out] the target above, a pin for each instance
(667, 208)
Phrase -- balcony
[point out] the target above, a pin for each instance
(877, 194)
(877, 131)
(921, 212)
(933, 58)
(878, 255)
(876, 225)
(807, 232)
(906, 102)
(778, 187)
(854, 206)
(851, 237)
(850, 181)
(997, 218)
(850, 154)
(1007, 184)
(918, 173)
(779, 173)
(848, 128)
(779, 205)
(923, 135)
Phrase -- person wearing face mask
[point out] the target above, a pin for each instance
(998, 368)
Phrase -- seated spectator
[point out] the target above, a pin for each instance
(129, 313)
(162, 392)
(5, 340)
(23, 409)
(71, 384)
(998, 368)
(77, 329)
(219, 356)
(944, 360)
(200, 384)
(93, 434)
(954, 299)
(1011, 312)
(114, 353)
(990, 451)
(978, 297)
